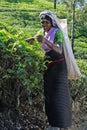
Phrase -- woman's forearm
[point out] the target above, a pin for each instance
(54, 47)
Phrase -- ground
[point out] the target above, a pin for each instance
(32, 118)
(24, 118)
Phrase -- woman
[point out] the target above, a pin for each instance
(56, 90)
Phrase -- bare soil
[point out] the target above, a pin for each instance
(33, 118)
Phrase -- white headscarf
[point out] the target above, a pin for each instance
(72, 68)
(51, 15)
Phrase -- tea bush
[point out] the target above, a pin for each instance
(16, 1)
(79, 87)
(21, 68)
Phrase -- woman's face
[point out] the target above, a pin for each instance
(46, 24)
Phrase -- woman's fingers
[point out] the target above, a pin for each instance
(39, 38)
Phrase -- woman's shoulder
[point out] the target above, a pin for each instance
(58, 36)
(58, 30)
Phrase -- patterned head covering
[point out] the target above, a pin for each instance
(51, 15)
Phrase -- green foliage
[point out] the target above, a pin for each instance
(80, 30)
(16, 1)
(80, 48)
(21, 64)
(79, 87)
(80, 22)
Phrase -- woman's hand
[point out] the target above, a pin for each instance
(39, 38)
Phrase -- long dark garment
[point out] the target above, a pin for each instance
(57, 95)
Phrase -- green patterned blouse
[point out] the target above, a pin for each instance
(58, 36)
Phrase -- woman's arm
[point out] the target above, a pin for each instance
(56, 47)
(58, 41)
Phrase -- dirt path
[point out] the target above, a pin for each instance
(33, 119)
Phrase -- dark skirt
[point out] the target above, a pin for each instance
(57, 96)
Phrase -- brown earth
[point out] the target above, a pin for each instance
(33, 118)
